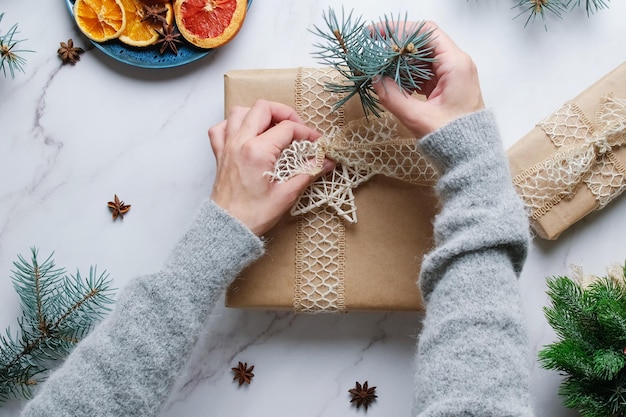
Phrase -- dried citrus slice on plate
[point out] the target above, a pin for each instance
(142, 21)
(209, 23)
(100, 20)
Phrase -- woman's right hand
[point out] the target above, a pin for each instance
(246, 145)
(454, 91)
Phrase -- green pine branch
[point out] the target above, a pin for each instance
(590, 323)
(58, 310)
(361, 52)
(11, 58)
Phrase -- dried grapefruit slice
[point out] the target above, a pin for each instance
(100, 20)
(209, 23)
(142, 21)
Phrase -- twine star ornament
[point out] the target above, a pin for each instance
(334, 190)
(361, 150)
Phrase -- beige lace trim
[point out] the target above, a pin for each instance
(361, 149)
(320, 235)
(585, 157)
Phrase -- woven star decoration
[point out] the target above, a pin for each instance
(334, 190)
(361, 149)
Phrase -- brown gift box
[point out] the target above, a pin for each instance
(383, 250)
(537, 146)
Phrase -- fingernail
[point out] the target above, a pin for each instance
(376, 78)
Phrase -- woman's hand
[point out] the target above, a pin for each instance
(454, 91)
(246, 145)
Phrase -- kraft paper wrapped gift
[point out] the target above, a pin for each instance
(318, 261)
(572, 163)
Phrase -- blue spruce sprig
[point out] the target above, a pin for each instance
(11, 58)
(360, 52)
(541, 8)
(58, 310)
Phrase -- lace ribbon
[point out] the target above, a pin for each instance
(585, 157)
(362, 149)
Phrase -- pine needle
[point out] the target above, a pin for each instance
(591, 6)
(58, 310)
(535, 9)
(540, 8)
(590, 323)
(11, 58)
(360, 52)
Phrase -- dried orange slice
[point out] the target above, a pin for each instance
(142, 21)
(209, 23)
(100, 20)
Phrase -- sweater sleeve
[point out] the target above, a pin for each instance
(472, 355)
(129, 362)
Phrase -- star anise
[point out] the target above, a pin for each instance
(69, 53)
(118, 207)
(363, 395)
(168, 38)
(243, 374)
(154, 13)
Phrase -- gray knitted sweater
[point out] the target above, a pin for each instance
(472, 352)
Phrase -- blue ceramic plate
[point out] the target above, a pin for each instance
(149, 57)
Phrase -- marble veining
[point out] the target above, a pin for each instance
(72, 136)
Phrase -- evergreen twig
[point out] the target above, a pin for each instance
(58, 310)
(590, 322)
(360, 52)
(11, 58)
(541, 8)
(535, 9)
(591, 6)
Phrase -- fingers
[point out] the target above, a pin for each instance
(235, 120)
(245, 123)
(217, 137)
(452, 92)
(439, 40)
(400, 103)
(282, 134)
(397, 28)
(292, 188)
(264, 114)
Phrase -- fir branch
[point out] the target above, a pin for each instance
(361, 52)
(11, 58)
(57, 312)
(590, 322)
(591, 6)
(570, 313)
(31, 280)
(557, 8)
(17, 373)
(539, 8)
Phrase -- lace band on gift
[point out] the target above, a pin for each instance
(362, 148)
(584, 157)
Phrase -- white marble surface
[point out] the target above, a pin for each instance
(72, 136)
